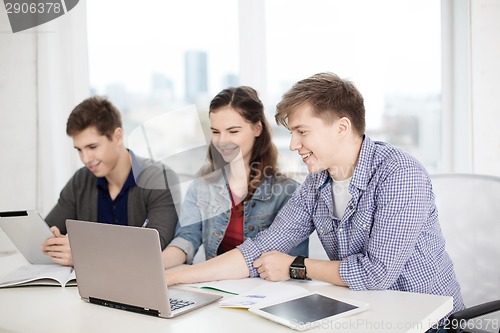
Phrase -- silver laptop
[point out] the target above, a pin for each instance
(122, 267)
(27, 230)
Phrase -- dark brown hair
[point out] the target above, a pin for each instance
(264, 157)
(94, 111)
(330, 97)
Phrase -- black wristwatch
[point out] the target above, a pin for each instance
(298, 269)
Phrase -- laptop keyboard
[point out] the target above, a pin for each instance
(176, 303)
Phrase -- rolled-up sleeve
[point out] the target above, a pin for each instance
(292, 225)
(188, 236)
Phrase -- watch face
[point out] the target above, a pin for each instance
(298, 273)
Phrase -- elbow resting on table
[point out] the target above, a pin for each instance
(375, 278)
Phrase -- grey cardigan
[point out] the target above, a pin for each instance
(149, 199)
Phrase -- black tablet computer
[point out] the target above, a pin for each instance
(309, 311)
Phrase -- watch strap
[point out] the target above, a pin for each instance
(298, 269)
(299, 261)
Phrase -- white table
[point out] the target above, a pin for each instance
(56, 309)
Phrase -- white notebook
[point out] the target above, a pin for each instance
(40, 275)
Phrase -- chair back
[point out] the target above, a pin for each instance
(469, 214)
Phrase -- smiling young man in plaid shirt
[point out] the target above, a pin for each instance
(371, 203)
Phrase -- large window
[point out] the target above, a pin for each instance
(155, 60)
(391, 50)
(154, 56)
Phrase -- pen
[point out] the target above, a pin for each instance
(145, 223)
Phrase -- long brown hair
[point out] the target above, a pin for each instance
(264, 157)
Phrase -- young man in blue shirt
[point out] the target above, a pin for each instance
(371, 203)
(115, 186)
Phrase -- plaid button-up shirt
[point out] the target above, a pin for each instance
(389, 236)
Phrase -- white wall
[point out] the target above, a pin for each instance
(18, 121)
(485, 65)
(43, 75)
